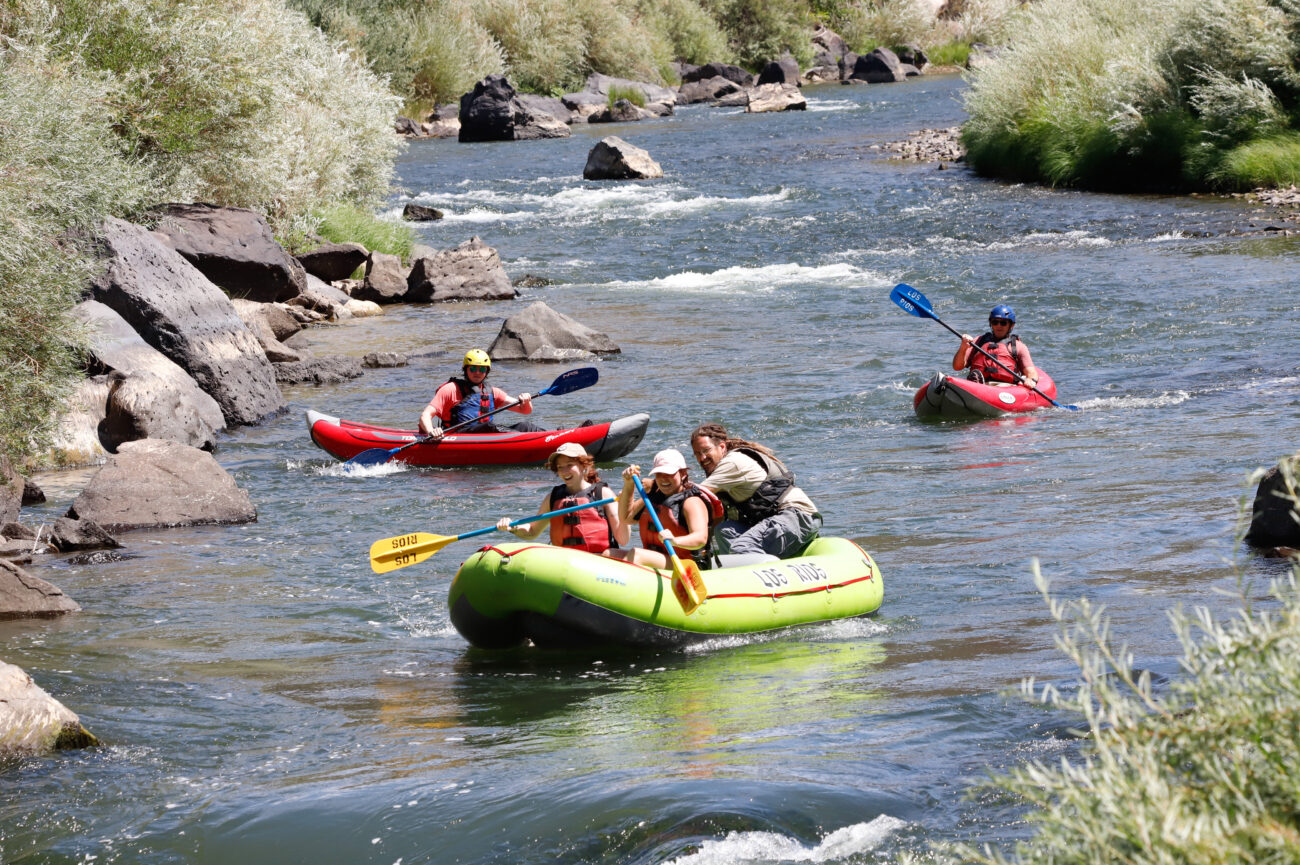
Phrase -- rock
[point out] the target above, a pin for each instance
(846, 64)
(18, 551)
(385, 279)
(583, 104)
(252, 315)
(420, 213)
(157, 484)
(1275, 520)
(324, 298)
(538, 327)
(407, 126)
(491, 112)
(443, 121)
(384, 359)
(828, 46)
(32, 493)
(914, 56)
(234, 248)
(333, 261)
(75, 441)
(681, 69)
(542, 106)
(471, 271)
(31, 721)
(739, 99)
(70, 535)
(23, 595)
(278, 317)
(713, 70)
(334, 369)
(880, 66)
(821, 74)
(614, 159)
(783, 71)
(11, 491)
(708, 90)
(149, 396)
(776, 97)
(528, 280)
(603, 84)
(17, 531)
(363, 308)
(183, 315)
(621, 111)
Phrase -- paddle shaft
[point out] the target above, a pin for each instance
(536, 517)
(654, 518)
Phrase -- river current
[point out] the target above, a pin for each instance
(264, 697)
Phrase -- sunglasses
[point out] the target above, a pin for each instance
(477, 368)
(991, 321)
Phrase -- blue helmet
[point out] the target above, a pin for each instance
(1003, 311)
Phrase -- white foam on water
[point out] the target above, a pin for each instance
(744, 280)
(1162, 400)
(1169, 235)
(1036, 239)
(769, 847)
(344, 470)
(831, 105)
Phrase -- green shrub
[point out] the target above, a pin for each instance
(631, 94)
(690, 33)
(885, 22)
(1203, 774)
(1273, 161)
(759, 31)
(343, 223)
(949, 53)
(542, 43)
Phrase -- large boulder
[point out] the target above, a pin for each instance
(783, 71)
(880, 66)
(538, 331)
(156, 484)
(333, 261)
(151, 396)
(614, 159)
(253, 315)
(69, 535)
(584, 104)
(651, 93)
(332, 369)
(776, 97)
(385, 279)
(492, 112)
(622, 111)
(324, 298)
(31, 721)
(24, 595)
(182, 314)
(234, 248)
(1275, 515)
(708, 90)
(471, 271)
(828, 46)
(11, 491)
(713, 70)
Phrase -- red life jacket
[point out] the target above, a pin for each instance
(672, 513)
(1005, 350)
(588, 529)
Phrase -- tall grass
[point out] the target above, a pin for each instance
(1202, 772)
(340, 223)
(1107, 93)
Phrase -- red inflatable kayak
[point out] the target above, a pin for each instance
(950, 397)
(605, 441)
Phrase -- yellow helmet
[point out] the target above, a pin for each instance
(477, 357)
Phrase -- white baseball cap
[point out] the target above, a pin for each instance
(668, 462)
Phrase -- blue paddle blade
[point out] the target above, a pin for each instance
(372, 457)
(574, 379)
(911, 301)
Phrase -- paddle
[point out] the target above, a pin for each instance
(390, 554)
(574, 379)
(688, 585)
(914, 302)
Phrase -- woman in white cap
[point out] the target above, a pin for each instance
(592, 529)
(687, 512)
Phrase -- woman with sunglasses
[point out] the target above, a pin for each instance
(1000, 342)
(468, 396)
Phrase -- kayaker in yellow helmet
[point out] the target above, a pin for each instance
(766, 512)
(1002, 344)
(467, 396)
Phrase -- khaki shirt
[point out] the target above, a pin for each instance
(739, 476)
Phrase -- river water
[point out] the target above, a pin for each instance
(264, 698)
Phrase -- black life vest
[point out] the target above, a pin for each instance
(671, 511)
(587, 529)
(474, 402)
(767, 499)
(1005, 350)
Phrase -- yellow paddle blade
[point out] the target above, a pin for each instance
(688, 585)
(389, 554)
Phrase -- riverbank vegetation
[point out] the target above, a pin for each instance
(1201, 771)
(1109, 94)
(112, 106)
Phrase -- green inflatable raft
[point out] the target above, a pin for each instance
(507, 594)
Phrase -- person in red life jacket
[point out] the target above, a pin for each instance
(592, 529)
(687, 512)
(766, 512)
(1000, 342)
(468, 396)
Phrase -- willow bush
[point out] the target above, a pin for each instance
(1202, 772)
(1119, 95)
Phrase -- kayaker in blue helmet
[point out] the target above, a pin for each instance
(1000, 342)
(465, 397)
(766, 512)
